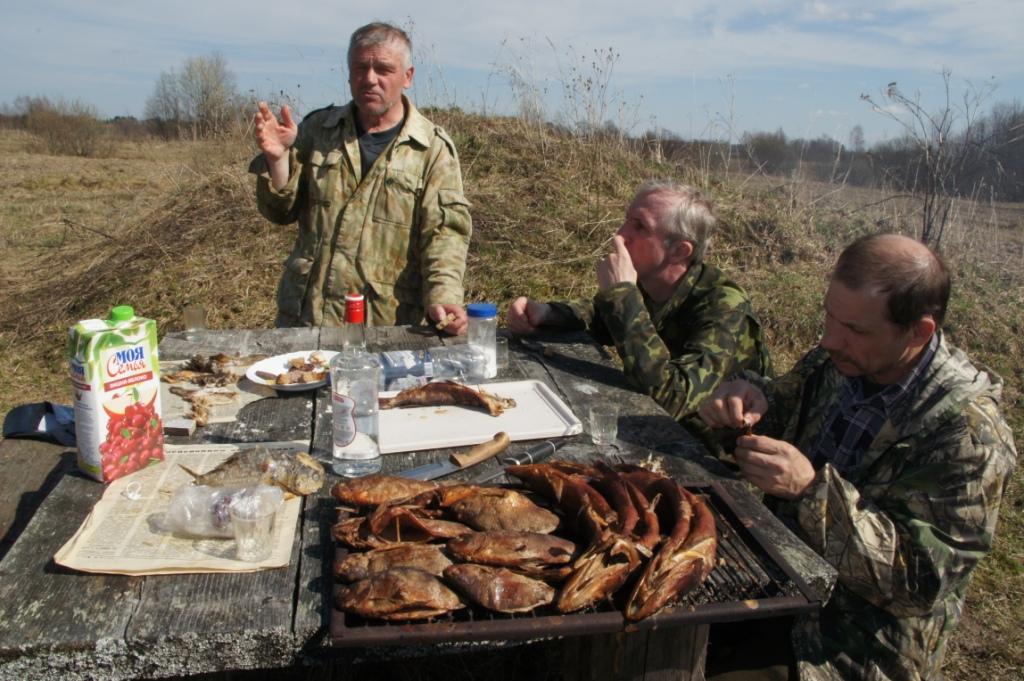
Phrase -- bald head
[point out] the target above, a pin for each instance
(911, 275)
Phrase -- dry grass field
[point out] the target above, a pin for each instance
(160, 225)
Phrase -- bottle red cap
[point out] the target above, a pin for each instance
(355, 308)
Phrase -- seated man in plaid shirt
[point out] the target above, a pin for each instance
(884, 448)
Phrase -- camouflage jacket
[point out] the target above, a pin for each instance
(677, 352)
(906, 530)
(399, 235)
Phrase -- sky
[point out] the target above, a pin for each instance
(698, 68)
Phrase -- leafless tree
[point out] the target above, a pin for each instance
(946, 142)
(200, 101)
(857, 139)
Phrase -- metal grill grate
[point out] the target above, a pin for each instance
(751, 580)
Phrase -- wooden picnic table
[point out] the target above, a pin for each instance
(59, 623)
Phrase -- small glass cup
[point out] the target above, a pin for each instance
(253, 525)
(604, 424)
(501, 352)
(194, 319)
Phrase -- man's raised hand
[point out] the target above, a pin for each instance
(616, 267)
(274, 137)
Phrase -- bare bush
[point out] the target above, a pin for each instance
(63, 128)
(946, 145)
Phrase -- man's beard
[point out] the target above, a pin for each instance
(378, 109)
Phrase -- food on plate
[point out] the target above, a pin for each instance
(427, 557)
(293, 472)
(448, 393)
(215, 370)
(311, 369)
(398, 594)
(499, 589)
(376, 489)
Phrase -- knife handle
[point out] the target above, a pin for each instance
(482, 451)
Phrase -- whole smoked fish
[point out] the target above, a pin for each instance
(448, 393)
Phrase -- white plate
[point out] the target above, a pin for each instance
(279, 364)
(538, 413)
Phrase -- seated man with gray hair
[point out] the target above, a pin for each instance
(680, 326)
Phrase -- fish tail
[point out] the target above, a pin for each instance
(195, 476)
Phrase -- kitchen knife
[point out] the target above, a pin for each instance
(534, 454)
(457, 462)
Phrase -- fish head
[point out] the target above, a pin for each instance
(302, 474)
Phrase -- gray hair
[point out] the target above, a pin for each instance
(380, 33)
(690, 218)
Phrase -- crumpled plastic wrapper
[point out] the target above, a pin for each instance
(201, 511)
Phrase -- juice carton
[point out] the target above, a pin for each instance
(115, 376)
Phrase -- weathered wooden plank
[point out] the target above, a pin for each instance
(29, 470)
(239, 342)
(816, 573)
(675, 654)
(217, 621)
(46, 607)
(385, 338)
(283, 418)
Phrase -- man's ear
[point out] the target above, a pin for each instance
(682, 252)
(922, 330)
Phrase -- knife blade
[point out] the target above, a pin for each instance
(534, 454)
(458, 461)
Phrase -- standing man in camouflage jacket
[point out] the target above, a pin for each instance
(679, 325)
(377, 191)
(885, 449)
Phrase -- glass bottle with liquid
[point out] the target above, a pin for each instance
(354, 332)
(354, 390)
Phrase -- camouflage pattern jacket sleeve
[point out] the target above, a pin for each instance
(906, 530)
(400, 234)
(679, 351)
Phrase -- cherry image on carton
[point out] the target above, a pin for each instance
(115, 377)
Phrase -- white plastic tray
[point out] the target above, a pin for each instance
(538, 413)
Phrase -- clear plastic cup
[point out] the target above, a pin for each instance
(501, 352)
(194, 320)
(604, 424)
(252, 520)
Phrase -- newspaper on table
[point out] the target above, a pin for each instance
(123, 533)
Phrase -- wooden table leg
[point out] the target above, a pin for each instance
(675, 654)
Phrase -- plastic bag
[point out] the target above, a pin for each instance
(201, 511)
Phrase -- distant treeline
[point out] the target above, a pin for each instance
(76, 129)
(988, 164)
